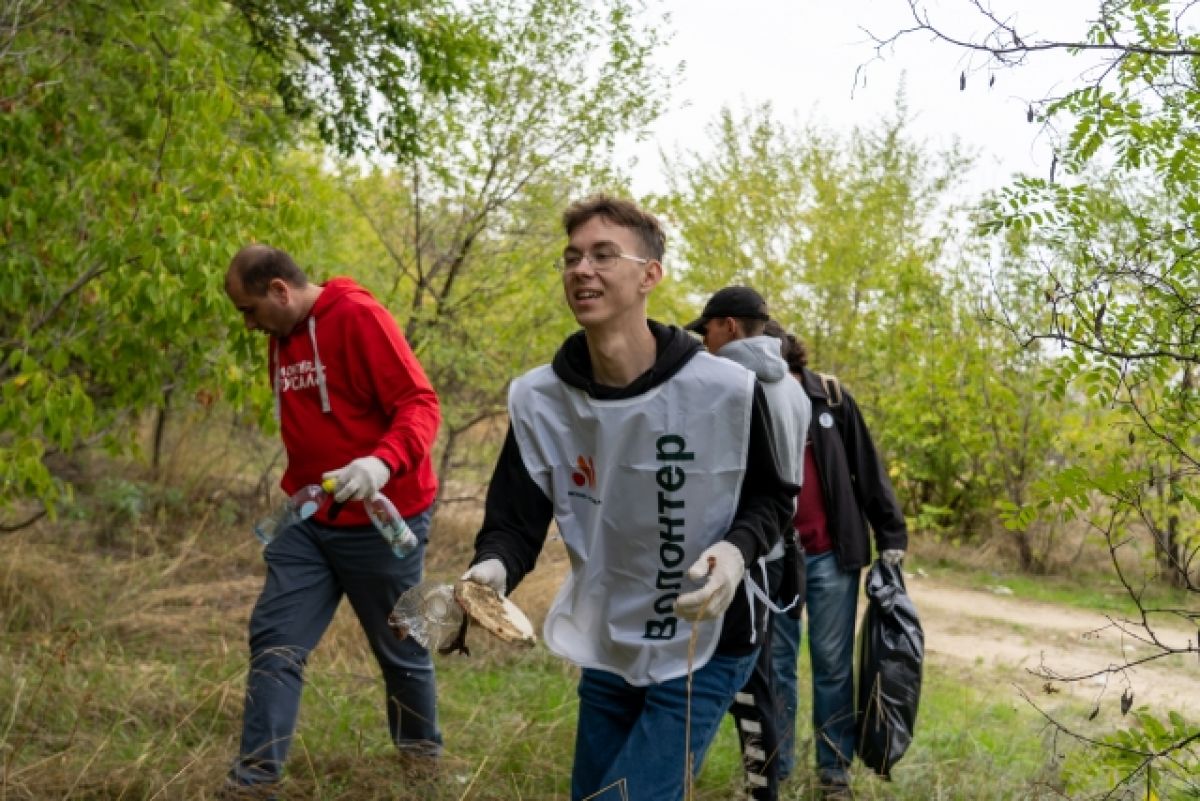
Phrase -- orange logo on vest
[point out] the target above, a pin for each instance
(586, 474)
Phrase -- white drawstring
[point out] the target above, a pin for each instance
(312, 334)
(276, 369)
(753, 590)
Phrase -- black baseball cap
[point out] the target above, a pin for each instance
(732, 301)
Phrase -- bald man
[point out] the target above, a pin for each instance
(355, 406)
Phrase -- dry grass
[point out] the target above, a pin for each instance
(122, 664)
(123, 660)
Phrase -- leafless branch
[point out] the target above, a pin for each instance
(8, 528)
(1005, 44)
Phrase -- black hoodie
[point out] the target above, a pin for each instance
(517, 514)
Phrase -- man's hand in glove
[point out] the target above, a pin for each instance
(360, 479)
(724, 566)
(489, 572)
(891, 556)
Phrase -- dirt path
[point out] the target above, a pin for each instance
(1013, 636)
(966, 629)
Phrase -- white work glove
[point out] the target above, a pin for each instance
(891, 556)
(724, 575)
(490, 573)
(360, 479)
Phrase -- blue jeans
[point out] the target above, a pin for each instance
(630, 740)
(831, 603)
(309, 568)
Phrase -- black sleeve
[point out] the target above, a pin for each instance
(765, 507)
(876, 497)
(516, 516)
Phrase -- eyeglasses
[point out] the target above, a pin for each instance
(602, 260)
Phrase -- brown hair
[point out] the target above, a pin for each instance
(792, 349)
(624, 213)
(257, 265)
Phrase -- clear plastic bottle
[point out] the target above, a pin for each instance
(429, 614)
(302, 505)
(391, 525)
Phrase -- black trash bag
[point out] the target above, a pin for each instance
(890, 652)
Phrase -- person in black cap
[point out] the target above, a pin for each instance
(730, 314)
(732, 327)
(847, 490)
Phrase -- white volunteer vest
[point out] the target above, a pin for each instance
(640, 487)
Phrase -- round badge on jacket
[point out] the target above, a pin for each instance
(826, 420)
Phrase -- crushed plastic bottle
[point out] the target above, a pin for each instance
(429, 614)
(391, 525)
(302, 505)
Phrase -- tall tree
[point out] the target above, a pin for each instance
(139, 148)
(471, 224)
(839, 235)
(1112, 238)
(355, 67)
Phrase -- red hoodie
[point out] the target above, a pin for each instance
(347, 385)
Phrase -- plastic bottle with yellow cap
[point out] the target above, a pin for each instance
(384, 516)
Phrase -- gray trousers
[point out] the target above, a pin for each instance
(309, 568)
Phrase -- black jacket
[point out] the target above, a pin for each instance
(854, 483)
(517, 513)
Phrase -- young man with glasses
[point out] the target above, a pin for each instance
(655, 460)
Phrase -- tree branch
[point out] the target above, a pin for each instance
(8, 528)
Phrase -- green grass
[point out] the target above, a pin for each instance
(122, 671)
(975, 740)
(93, 719)
(1097, 591)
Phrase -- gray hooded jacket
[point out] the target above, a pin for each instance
(791, 410)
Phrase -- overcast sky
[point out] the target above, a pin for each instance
(801, 55)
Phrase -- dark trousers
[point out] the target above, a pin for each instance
(309, 568)
(754, 711)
